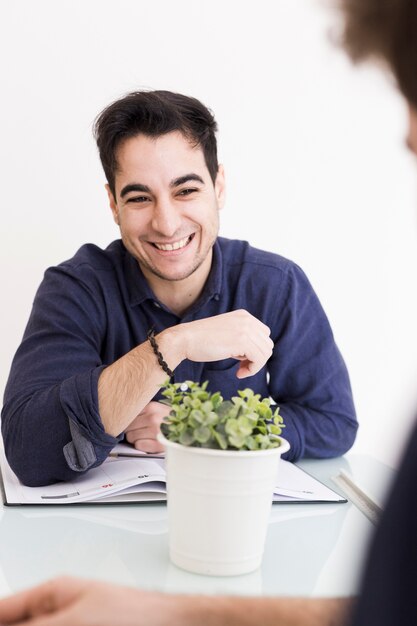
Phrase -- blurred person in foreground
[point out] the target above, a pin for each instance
(379, 29)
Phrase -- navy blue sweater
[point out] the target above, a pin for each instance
(94, 308)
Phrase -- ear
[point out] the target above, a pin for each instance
(412, 129)
(113, 204)
(220, 187)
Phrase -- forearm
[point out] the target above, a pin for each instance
(236, 611)
(73, 601)
(130, 383)
(39, 426)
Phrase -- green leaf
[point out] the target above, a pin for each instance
(224, 409)
(250, 443)
(232, 427)
(197, 415)
(220, 438)
(187, 438)
(202, 434)
(244, 426)
(216, 399)
(274, 430)
(236, 441)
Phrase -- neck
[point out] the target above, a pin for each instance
(179, 295)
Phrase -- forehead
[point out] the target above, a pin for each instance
(170, 155)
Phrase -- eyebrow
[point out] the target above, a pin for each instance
(174, 183)
(134, 187)
(185, 179)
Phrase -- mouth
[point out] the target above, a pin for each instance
(176, 245)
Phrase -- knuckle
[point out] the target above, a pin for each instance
(156, 420)
(61, 581)
(130, 436)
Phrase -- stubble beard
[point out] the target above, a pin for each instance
(150, 268)
(198, 262)
(187, 273)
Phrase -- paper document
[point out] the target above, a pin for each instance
(138, 479)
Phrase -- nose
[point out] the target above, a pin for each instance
(165, 218)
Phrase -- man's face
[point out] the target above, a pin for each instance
(166, 205)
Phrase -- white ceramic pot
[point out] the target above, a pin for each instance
(219, 502)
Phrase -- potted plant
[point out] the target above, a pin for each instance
(222, 460)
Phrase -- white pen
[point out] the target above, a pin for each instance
(358, 496)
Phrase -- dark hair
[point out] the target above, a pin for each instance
(384, 29)
(154, 113)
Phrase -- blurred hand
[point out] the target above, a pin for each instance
(74, 602)
(143, 430)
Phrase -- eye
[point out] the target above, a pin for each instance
(137, 199)
(188, 191)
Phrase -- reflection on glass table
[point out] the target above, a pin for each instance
(311, 549)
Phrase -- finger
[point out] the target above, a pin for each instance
(246, 369)
(141, 435)
(132, 435)
(146, 432)
(149, 445)
(16, 607)
(40, 600)
(151, 420)
(254, 358)
(60, 618)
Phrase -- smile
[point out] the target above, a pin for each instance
(177, 245)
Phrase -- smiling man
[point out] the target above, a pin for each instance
(170, 299)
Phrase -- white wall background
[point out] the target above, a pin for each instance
(310, 145)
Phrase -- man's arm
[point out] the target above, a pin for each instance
(50, 422)
(126, 386)
(308, 377)
(64, 409)
(71, 602)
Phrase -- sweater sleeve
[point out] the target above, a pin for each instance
(50, 420)
(308, 377)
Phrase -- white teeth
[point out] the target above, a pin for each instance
(173, 246)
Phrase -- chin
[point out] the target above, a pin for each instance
(175, 275)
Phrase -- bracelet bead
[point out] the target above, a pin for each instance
(158, 354)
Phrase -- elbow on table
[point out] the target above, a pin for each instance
(29, 473)
(32, 468)
(346, 438)
(330, 443)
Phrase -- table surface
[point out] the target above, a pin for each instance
(311, 549)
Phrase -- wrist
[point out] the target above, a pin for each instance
(171, 345)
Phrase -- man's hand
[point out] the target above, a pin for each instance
(75, 602)
(238, 335)
(143, 430)
(126, 386)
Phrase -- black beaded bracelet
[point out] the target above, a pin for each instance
(162, 363)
